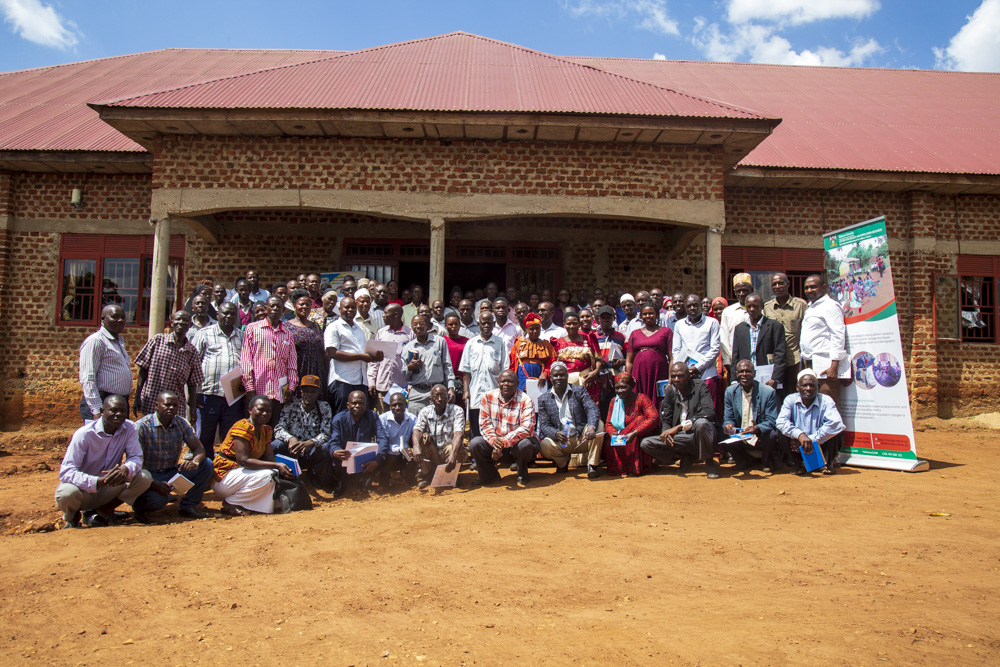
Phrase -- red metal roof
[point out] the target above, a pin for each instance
(453, 72)
(45, 108)
(838, 118)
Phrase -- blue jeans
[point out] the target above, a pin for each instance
(202, 477)
(216, 414)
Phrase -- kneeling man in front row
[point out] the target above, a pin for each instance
(162, 436)
(687, 416)
(437, 435)
(92, 475)
(752, 409)
(507, 424)
(567, 420)
(807, 417)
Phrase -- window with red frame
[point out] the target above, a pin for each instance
(762, 263)
(978, 297)
(97, 270)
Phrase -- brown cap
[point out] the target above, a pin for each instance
(309, 381)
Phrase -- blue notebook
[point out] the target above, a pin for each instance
(290, 462)
(813, 461)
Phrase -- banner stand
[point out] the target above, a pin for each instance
(876, 406)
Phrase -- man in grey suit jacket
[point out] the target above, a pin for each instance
(579, 433)
(762, 341)
(752, 409)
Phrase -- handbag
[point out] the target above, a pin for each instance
(290, 495)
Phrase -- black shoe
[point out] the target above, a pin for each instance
(564, 468)
(523, 479)
(75, 522)
(143, 517)
(472, 465)
(479, 481)
(423, 484)
(713, 470)
(95, 520)
(829, 470)
(513, 467)
(686, 463)
(191, 513)
(593, 472)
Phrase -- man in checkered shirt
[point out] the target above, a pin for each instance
(507, 424)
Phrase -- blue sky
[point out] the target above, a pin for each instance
(925, 34)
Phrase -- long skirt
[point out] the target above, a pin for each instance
(250, 489)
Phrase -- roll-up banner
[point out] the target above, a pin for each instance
(876, 405)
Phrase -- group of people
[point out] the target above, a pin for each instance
(627, 383)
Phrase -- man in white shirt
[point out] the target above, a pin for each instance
(504, 327)
(632, 320)
(734, 314)
(483, 359)
(697, 344)
(550, 329)
(345, 348)
(823, 339)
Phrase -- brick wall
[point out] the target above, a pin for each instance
(461, 167)
(105, 196)
(813, 212)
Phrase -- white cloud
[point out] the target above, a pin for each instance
(39, 23)
(797, 12)
(761, 44)
(652, 14)
(659, 56)
(976, 47)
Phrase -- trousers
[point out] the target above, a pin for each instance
(522, 453)
(315, 461)
(72, 499)
(695, 445)
(560, 455)
(766, 448)
(150, 500)
(217, 416)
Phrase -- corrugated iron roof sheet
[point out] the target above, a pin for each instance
(45, 108)
(453, 72)
(839, 118)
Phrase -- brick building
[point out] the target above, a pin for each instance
(457, 160)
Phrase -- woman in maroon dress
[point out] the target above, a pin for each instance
(308, 340)
(633, 416)
(648, 359)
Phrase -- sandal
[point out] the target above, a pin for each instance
(232, 510)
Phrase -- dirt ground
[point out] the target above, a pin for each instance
(853, 569)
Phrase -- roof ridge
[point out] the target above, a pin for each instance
(784, 65)
(82, 62)
(462, 33)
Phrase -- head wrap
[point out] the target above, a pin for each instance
(806, 372)
(742, 278)
(626, 297)
(362, 292)
(718, 299)
(625, 377)
(530, 319)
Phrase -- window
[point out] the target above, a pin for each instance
(761, 263)
(977, 297)
(100, 270)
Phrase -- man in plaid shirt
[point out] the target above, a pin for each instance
(507, 424)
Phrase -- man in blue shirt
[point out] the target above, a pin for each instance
(807, 417)
(355, 424)
(398, 424)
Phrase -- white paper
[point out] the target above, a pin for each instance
(764, 372)
(444, 479)
(230, 381)
(356, 449)
(820, 364)
(532, 390)
(388, 348)
(739, 437)
(181, 484)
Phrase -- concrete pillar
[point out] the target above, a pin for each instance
(436, 287)
(158, 290)
(713, 263)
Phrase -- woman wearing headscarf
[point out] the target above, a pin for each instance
(631, 418)
(531, 355)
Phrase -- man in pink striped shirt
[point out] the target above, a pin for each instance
(268, 360)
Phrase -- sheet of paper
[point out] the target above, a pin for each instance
(232, 385)
(764, 372)
(361, 453)
(739, 437)
(532, 390)
(387, 347)
(820, 364)
(181, 484)
(444, 479)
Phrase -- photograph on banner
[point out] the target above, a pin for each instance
(875, 406)
(859, 276)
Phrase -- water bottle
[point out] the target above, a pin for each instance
(567, 428)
